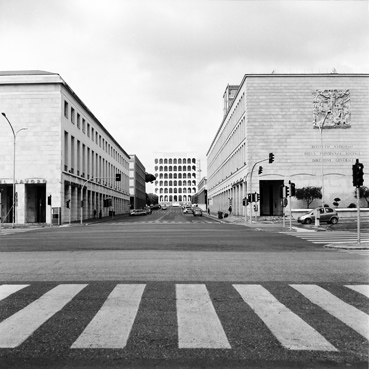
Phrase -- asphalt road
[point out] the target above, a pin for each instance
(191, 292)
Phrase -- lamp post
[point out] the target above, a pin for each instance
(15, 136)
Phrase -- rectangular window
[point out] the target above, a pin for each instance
(66, 108)
(66, 147)
(92, 134)
(83, 168)
(88, 163)
(72, 115)
(78, 121)
(78, 158)
(83, 126)
(72, 154)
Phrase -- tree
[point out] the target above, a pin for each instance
(149, 177)
(363, 194)
(151, 199)
(308, 194)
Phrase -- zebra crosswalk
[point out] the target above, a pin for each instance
(325, 238)
(199, 322)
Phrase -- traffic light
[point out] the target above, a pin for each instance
(118, 177)
(249, 197)
(287, 191)
(244, 201)
(49, 200)
(357, 174)
(271, 157)
(260, 169)
(68, 204)
(292, 189)
(257, 196)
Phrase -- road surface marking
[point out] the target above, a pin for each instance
(363, 289)
(17, 328)
(351, 316)
(8, 289)
(198, 322)
(289, 329)
(111, 326)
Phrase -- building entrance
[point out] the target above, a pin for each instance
(35, 203)
(6, 211)
(270, 201)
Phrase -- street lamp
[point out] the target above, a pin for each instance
(15, 136)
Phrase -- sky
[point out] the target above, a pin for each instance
(154, 72)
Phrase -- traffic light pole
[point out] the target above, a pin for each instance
(358, 214)
(251, 185)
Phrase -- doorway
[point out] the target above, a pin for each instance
(270, 201)
(35, 203)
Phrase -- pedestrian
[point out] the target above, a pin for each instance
(95, 212)
(230, 209)
(100, 214)
(209, 211)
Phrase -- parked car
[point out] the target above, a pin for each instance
(164, 207)
(326, 215)
(187, 210)
(148, 210)
(137, 212)
(197, 212)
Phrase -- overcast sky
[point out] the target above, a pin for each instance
(154, 72)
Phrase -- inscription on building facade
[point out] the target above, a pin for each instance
(335, 153)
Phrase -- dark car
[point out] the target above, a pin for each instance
(326, 215)
(197, 212)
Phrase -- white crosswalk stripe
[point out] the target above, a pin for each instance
(17, 328)
(291, 331)
(326, 238)
(354, 318)
(111, 326)
(198, 325)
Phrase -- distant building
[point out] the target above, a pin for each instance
(202, 194)
(316, 125)
(137, 184)
(66, 158)
(176, 176)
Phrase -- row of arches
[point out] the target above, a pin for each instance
(175, 161)
(174, 168)
(175, 190)
(166, 198)
(174, 176)
(176, 183)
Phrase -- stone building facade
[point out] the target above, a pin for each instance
(176, 176)
(137, 184)
(316, 125)
(65, 155)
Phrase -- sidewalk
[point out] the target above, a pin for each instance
(275, 225)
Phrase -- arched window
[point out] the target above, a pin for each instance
(179, 168)
(193, 167)
(160, 168)
(166, 198)
(174, 183)
(189, 198)
(175, 190)
(184, 175)
(165, 176)
(161, 183)
(188, 190)
(165, 183)
(193, 175)
(165, 161)
(179, 183)
(170, 175)
(194, 160)
(180, 198)
(161, 190)
(193, 190)
(179, 175)
(179, 190)
(170, 183)
(179, 161)
(184, 161)
(156, 168)
(161, 198)
(175, 197)
(161, 161)
(165, 168)
(170, 161)
(156, 161)
(156, 183)
(184, 198)
(156, 190)
(170, 168)
(170, 190)
(174, 161)
(175, 168)
(193, 183)
(165, 190)
(184, 190)
(188, 161)
(170, 198)
(175, 175)
(188, 168)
